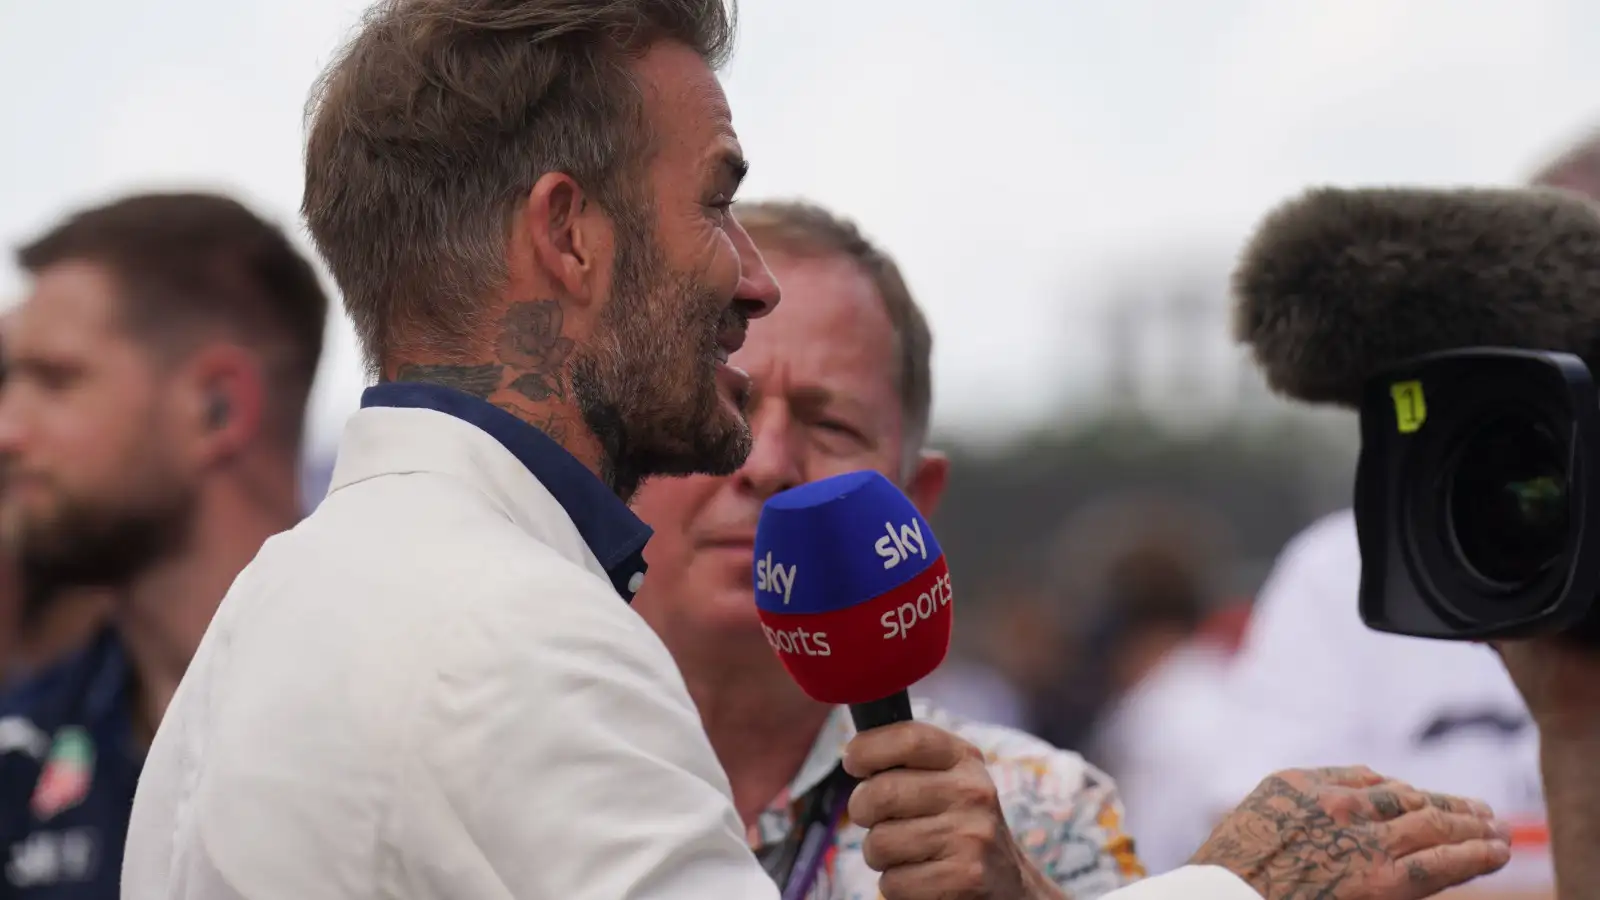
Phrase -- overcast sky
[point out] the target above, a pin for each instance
(1016, 155)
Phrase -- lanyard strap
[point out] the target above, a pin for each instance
(798, 861)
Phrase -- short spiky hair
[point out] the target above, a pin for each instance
(437, 119)
(195, 263)
(805, 229)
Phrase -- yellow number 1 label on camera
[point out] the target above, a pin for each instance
(1410, 409)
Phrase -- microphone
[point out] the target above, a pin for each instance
(1337, 284)
(1463, 325)
(853, 593)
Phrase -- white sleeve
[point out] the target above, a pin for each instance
(565, 758)
(1188, 883)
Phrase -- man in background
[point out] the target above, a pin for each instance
(841, 382)
(150, 430)
(39, 626)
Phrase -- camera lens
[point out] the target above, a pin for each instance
(1508, 500)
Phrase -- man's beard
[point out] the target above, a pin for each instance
(90, 544)
(646, 386)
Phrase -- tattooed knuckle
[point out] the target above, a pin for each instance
(1400, 878)
(1387, 803)
(1278, 784)
(1339, 801)
(1417, 872)
(1436, 821)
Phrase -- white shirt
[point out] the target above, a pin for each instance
(431, 689)
(1313, 686)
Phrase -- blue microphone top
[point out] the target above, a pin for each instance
(834, 543)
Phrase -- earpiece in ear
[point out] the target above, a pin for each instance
(217, 410)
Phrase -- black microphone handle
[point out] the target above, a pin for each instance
(894, 708)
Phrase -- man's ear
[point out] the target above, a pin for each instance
(567, 235)
(223, 401)
(928, 481)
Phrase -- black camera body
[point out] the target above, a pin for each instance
(1477, 497)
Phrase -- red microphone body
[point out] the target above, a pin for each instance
(853, 592)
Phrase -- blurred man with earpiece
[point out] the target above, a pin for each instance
(39, 624)
(150, 432)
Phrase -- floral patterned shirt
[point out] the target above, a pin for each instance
(1064, 812)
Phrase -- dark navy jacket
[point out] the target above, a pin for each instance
(69, 763)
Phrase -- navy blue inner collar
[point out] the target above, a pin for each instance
(614, 534)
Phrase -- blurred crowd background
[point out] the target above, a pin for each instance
(1065, 185)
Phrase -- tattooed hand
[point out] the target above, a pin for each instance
(1342, 834)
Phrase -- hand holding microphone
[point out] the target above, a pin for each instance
(855, 597)
(934, 824)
